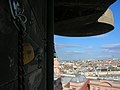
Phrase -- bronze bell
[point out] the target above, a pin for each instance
(80, 18)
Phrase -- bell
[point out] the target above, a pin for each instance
(83, 18)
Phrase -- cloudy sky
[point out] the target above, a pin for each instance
(95, 47)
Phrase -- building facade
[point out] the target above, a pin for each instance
(104, 85)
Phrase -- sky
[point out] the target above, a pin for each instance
(105, 46)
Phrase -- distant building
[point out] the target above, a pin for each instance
(57, 77)
(57, 83)
(104, 85)
(78, 82)
(56, 65)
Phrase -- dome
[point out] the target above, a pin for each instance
(78, 79)
(66, 79)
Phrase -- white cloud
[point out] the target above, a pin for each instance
(72, 46)
(111, 46)
(111, 49)
(74, 53)
(66, 45)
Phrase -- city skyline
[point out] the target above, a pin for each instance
(103, 46)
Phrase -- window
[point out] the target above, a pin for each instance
(98, 88)
(93, 88)
(73, 88)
